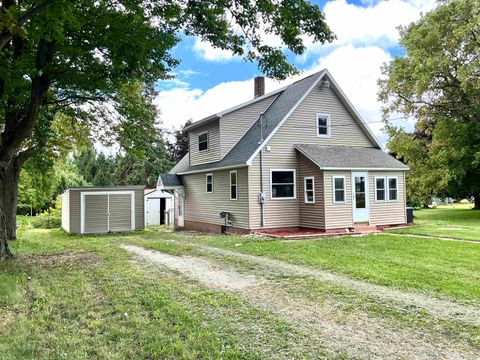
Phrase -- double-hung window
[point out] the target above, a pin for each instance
(282, 184)
(209, 183)
(309, 189)
(380, 188)
(233, 185)
(392, 189)
(323, 125)
(338, 189)
(203, 141)
(386, 188)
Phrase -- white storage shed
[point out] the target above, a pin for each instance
(158, 207)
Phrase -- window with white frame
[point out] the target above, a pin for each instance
(323, 125)
(209, 183)
(233, 185)
(203, 141)
(282, 184)
(338, 189)
(309, 189)
(392, 189)
(380, 188)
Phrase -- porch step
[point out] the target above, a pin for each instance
(366, 228)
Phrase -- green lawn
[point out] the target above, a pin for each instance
(445, 268)
(457, 221)
(67, 296)
(71, 297)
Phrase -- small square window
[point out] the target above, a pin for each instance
(323, 125)
(203, 141)
(209, 183)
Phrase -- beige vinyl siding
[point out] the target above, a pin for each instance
(235, 124)
(338, 215)
(386, 212)
(278, 212)
(311, 215)
(213, 152)
(66, 211)
(204, 207)
(300, 128)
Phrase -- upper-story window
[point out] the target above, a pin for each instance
(323, 125)
(203, 141)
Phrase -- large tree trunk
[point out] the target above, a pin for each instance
(9, 197)
(476, 199)
(5, 217)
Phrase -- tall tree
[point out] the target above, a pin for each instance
(178, 147)
(437, 82)
(74, 56)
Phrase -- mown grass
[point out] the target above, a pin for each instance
(83, 297)
(456, 221)
(444, 268)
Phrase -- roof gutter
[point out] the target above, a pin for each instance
(213, 169)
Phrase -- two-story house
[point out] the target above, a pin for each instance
(298, 157)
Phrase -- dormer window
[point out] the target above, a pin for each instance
(203, 141)
(323, 125)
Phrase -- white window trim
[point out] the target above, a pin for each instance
(236, 185)
(206, 183)
(344, 190)
(198, 141)
(328, 125)
(388, 186)
(385, 186)
(305, 189)
(294, 185)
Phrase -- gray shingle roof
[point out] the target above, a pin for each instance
(169, 181)
(249, 143)
(349, 157)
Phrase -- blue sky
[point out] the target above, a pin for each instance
(209, 80)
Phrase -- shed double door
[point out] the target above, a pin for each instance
(106, 212)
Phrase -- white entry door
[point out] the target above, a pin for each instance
(360, 197)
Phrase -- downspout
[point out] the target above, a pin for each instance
(262, 194)
(262, 214)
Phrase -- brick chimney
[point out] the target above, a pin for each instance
(259, 88)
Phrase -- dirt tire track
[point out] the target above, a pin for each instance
(360, 335)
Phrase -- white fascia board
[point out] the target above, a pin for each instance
(354, 112)
(331, 168)
(213, 169)
(274, 131)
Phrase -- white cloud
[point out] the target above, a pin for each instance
(375, 24)
(207, 52)
(356, 69)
